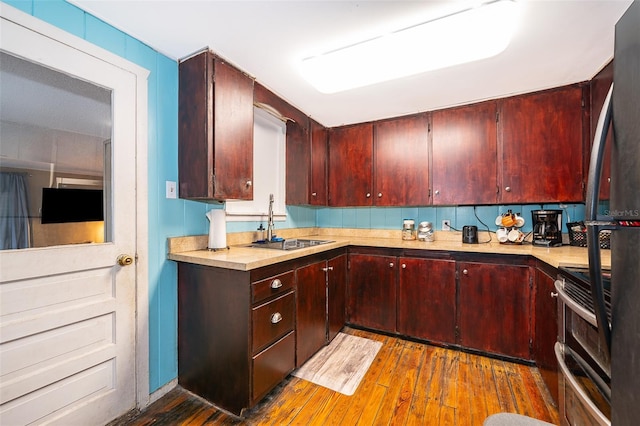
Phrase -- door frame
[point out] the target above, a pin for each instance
(141, 350)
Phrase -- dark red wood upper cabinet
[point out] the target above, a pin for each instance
(427, 299)
(372, 291)
(319, 155)
(351, 165)
(298, 168)
(215, 149)
(494, 312)
(401, 161)
(541, 146)
(599, 88)
(464, 155)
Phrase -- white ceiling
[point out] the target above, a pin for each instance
(557, 43)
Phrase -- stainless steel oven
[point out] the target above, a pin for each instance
(585, 379)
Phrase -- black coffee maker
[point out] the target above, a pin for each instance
(547, 228)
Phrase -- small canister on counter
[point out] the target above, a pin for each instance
(408, 229)
(425, 231)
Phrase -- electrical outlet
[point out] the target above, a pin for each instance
(446, 225)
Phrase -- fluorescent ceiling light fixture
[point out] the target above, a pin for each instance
(470, 35)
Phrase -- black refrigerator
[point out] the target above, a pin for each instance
(620, 335)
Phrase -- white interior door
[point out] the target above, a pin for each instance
(67, 313)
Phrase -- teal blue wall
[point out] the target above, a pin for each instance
(391, 217)
(175, 217)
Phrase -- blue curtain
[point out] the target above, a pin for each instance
(14, 211)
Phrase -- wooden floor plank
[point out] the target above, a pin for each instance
(507, 399)
(518, 389)
(371, 409)
(464, 391)
(478, 401)
(420, 394)
(408, 383)
(414, 356)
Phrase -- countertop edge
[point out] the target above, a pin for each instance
(244, 258)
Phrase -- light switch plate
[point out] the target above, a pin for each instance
(171, 190)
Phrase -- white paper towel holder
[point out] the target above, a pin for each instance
(217, 230)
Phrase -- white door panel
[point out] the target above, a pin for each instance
(67, 313)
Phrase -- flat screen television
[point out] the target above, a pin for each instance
(63, 205)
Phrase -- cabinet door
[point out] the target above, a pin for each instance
(546, 330)
(427, 299)
(401, 164)
(350, 165)
(298, 167)
(337, 294)
(464, 147)
(494, 314)
(319, 153)
(311, 325)
(372, 291)
(542, 145)
(233, 140)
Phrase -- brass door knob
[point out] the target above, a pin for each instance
(125, 260)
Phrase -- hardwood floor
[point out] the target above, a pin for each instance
(408, 383)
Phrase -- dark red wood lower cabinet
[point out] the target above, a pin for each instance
(494, 312)
(427, 299)
(372, 291)
(545, 332)
(337, 294)
(311, 326)
(272, 365)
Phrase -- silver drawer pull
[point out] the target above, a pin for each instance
(276, 284)
(276, 318)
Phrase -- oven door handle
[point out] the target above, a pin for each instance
(575, 386)
(574, 306)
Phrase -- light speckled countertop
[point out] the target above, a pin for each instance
(239, 256)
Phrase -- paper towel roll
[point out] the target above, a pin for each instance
(217, 229)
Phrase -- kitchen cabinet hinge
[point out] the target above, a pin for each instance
(428, 127)
(531, 281)
(348, 265)
(497, 117)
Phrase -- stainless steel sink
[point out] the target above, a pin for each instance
(291, 244)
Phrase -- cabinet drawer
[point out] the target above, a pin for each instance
(272, 365)
(272, 321)
(273, 286)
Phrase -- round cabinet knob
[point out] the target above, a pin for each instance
(368, 195)
(609, 180)
(276, 318)
(508, 189)
(465, 272)
(404, 266)
(390, 264)
(554, 294)
(125, 260)
(437, 192)
(276, 284)
(248, 184)
(314, 194)
(379, 194)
